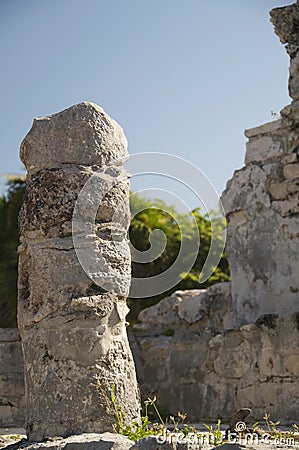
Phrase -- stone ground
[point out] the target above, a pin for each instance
(110, 441)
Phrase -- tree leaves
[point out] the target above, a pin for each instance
(9, 209)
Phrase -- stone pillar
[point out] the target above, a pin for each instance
(73, 327)
(261, 203)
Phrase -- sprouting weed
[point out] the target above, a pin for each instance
(140, 429)
(152, 402)
(187, 429)
(177, 422)
(267, 417)
(255, 426)
(276, 433)
(215, 432)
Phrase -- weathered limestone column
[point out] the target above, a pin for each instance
(73, 328)
(262, 206)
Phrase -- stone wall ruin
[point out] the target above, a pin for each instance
(261, 203)
(199, 364)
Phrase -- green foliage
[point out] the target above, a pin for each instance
(149, 215)
(139, 430)
(135, 430)
(9, 208)
(215, 432)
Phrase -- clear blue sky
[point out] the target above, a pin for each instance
(181, 76)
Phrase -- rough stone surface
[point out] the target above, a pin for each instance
(87, 136)
(196, 308)
(209, 373)
(86, 441)
(12, 401)
(109, 441)
(286, 21)
(261, 202)
(73, 331)
(163, 443)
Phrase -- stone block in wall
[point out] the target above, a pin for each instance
(262, 145)
(291, 171)
(12, 391)
(198, 308)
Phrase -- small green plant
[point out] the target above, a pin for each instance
(152, 402)
(188, 429)
(136, 430)
(271, 426)
(255, 427)
(276, 433)
(176, 422)
(294, 433)
(215, 432)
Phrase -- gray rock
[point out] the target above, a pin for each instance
(173, 442)
(152, 443)
(201, 308)
(72, 326)
(285, 21)
(83, 134)
(87, 441)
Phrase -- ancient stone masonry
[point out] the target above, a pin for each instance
(196, 363)
(72, 329)
(11, 379)
(261, 203)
